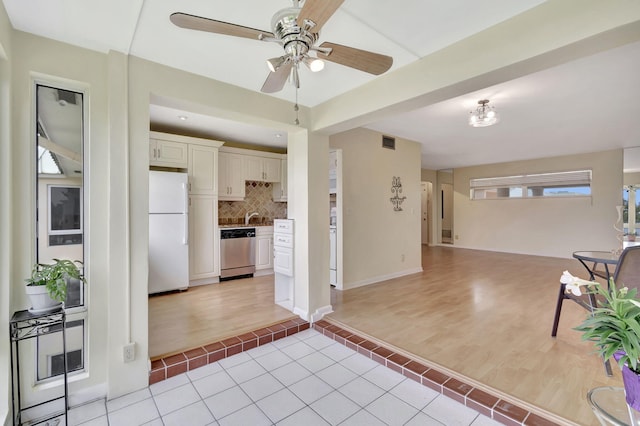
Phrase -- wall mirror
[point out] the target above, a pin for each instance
(60, 212)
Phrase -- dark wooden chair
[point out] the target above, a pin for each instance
(627, 273)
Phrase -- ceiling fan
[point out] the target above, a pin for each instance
(297, 30)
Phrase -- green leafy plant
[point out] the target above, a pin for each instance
(614, 325)
(54, 276)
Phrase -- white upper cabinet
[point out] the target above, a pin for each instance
(165, 153)
(272, 169)
(261, 169)
(231, 177)
(203, 176)
(280, 188)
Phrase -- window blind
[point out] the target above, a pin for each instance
(572, 178)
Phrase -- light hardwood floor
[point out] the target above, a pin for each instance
(206, 314)
(487, 316)
(484, 315)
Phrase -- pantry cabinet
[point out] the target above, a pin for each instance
(203, 237)
(203, 176)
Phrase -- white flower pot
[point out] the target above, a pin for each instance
(40, 300)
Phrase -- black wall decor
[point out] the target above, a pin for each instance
(396, 190)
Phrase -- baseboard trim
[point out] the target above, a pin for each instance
(320, 313)
(302, 314)
(380, 278)
(86, 395)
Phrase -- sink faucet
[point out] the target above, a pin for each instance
(248, 217)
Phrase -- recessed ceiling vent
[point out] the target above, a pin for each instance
(66, 97)
(389, 142)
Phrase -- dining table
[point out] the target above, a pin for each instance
(598, 263)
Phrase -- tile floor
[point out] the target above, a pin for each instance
(303, 379)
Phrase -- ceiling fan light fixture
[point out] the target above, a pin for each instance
(275, 63)
(314, 64)
(484, 115)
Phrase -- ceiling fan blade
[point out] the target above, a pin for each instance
(192, 22)
(318, 11)
(363, 60)
(275, 80)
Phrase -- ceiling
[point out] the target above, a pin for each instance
(587, 105)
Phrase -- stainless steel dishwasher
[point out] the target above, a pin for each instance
(237, 253)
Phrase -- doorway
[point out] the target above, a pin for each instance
(425, 206)
(447, 213)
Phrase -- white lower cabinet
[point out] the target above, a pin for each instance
(283, 262)
(203, 243)
(264, 247)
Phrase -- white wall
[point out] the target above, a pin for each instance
(6, 264)
(376, 236)
(543, 226)
(82, 70)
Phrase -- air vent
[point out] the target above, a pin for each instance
(388, 142)
(67, 96)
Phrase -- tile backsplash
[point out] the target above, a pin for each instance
(258, 198)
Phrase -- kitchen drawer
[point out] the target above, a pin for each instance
(283, 226)
(283, 240)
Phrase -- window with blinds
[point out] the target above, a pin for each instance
(559, 184)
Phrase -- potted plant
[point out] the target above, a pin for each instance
(614, 327)
(47, 286)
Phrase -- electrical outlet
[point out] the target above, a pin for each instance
(129, 352)
(402, 258)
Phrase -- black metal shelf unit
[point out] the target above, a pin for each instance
(26, 325)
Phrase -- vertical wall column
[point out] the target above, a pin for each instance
(308, 187)
(124, 328)
(5, 231)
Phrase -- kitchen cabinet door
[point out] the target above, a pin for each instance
(168, 154)
(264, 251)
(280, 188)
(253, 168)
(261, 169)
(203, 237)
(231, 177)
(271, 169)
(203, 174)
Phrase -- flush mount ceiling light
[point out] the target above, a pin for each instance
(484, 115)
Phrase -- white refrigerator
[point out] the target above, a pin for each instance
(168, 231)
